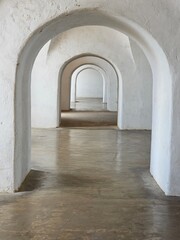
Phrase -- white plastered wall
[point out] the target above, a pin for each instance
(40, 96)
(26, 27)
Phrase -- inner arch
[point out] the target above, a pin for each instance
(74, 78)
(69, 67)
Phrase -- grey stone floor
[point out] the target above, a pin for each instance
(89, 184)
(89, 104)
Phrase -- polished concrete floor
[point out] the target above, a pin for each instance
(88, 112)
(89, 183)
(88, 119)
(89, 104)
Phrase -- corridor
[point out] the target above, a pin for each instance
(89, 120)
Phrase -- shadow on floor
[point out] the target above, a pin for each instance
(39, 179)
(88, 119)
(33, 181)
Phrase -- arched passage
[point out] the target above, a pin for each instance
(136, 110)
(161, 137)
(75, 75)
(113, 79)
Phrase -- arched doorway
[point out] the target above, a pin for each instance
(99, 76)
(88, 107)
(161, 136)
(113, 79)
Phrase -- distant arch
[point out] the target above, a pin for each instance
(76, 73)
(65, 73)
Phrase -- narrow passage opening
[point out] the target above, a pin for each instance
(87, 108)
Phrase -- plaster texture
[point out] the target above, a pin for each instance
(33, 24)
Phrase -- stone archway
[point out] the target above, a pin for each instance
(161, 158)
